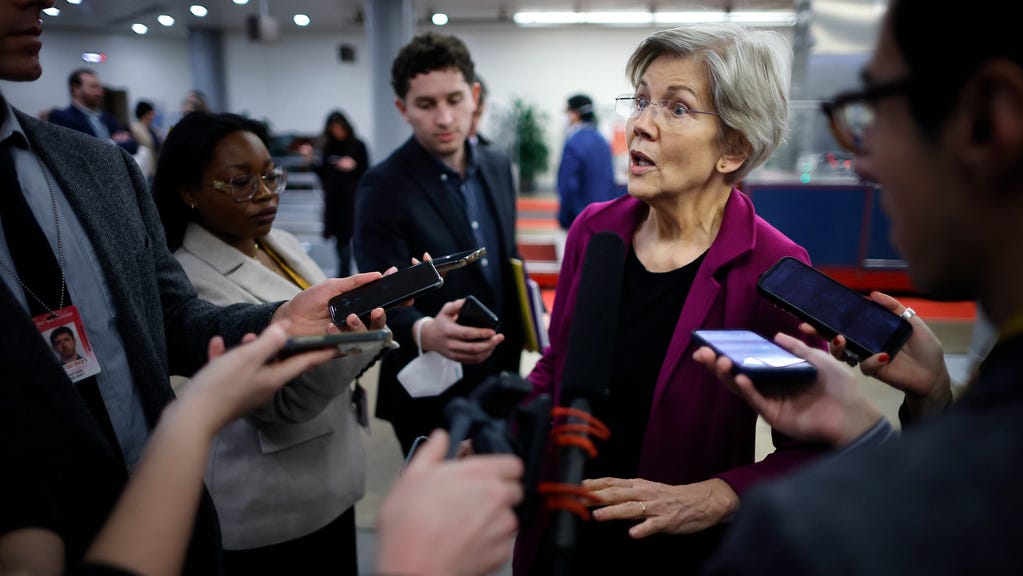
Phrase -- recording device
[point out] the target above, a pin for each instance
(474, 314)
(498, 422)
(385, 292)
(832, 308)
(773, 369)
(458, 259)
(345, 342)
(588, 365)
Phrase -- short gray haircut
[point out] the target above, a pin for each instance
(748, 72)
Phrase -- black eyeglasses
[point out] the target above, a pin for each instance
(244, 187)
(851, 115)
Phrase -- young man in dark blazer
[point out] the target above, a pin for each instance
(440, 194)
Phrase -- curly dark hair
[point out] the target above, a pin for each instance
(427, 53)
(184, 155)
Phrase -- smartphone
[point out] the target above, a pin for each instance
(412, 452)
(832, 309)
(345, 342)
(773, 369)
(458, 259)
(476, 315)
(385, 292)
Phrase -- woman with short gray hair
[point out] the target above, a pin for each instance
(709, 105)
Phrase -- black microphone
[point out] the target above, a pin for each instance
(588, 364)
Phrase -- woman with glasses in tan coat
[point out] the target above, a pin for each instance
(285, 478)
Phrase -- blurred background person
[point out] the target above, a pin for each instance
(284, 479)
(343, 161)
(586, 174)
(681, 451)
(474, 130)
(86, 113)
(147, 134)
(195, 101)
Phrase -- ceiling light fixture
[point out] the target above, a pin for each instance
(439, 18)
(165, 19)
(241, 2)
(51, 11)
(198, 10)
(139, 28)
(640, 18)
(301, 19)
(75, 2)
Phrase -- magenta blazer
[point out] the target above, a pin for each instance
(697, 428)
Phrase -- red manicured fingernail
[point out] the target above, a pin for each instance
(883, 358)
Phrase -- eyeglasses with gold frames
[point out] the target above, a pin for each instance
(244, 187)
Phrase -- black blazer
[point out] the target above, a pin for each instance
(402, 210)
(75, 119)
(70, 471)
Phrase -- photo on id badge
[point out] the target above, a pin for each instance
(63, 331)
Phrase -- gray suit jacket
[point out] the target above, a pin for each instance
(297, 463)
(164, 325)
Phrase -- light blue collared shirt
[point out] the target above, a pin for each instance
(86, 285)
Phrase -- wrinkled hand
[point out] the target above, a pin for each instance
(918, 369)
(308, 312)
(449, 517)
(234, 383)
(661, 508)
(831, 409)
(460, 343)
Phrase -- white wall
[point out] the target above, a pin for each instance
(149, 68)
(296, 81)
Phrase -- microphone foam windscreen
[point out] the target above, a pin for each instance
(594, 328)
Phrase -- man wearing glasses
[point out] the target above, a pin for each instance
(940, 127)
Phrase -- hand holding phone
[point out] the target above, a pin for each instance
(385, 292)
(771, 368)
(833, 309)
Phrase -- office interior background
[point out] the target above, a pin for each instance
(253, 57)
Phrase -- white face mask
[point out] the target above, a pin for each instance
(430, 374)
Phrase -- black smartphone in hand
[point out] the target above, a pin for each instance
(773, 369)
(833, 308)
(475, 315)
(385, 292)
(458, 259)
(345, 342)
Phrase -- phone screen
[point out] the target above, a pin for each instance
(763, 361)
(833, 308)
(386, 292)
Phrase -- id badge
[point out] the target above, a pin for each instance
(64, 331)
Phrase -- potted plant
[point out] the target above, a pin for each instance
(530, 150)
